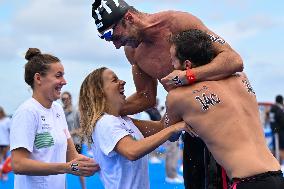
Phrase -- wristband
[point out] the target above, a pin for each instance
(190, 76)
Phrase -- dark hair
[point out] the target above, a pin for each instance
(279, 99)
(37, 63)
(193, 45)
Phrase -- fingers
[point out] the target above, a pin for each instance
(171, 82)
(88, 170)
(83, 166)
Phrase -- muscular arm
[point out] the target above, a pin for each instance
(226, 62)
(146, 89)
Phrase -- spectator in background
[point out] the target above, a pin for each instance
(276, 116)
(4, 139)
(172, 156)
(73, 122)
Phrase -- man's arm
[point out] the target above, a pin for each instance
(146, 89)
(226, 62)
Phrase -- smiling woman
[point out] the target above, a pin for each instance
(118, 142)
(39, 137)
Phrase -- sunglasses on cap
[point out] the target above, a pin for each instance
(107, 35)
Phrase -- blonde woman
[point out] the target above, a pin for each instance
(118, 145)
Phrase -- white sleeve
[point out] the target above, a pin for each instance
(109, 130)
(23, 130)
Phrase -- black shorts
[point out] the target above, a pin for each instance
(267, 180)
(199, 167)
(78, 148)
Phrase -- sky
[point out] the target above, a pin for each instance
(65, 28)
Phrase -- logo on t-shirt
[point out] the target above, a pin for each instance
(42, 118)
(43, 140)
(44, 124)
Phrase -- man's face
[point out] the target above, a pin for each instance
(174, 60)
(123, 34)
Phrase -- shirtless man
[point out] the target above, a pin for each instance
(145, 37)
(224, 114)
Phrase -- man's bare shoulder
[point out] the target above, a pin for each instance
(173, 14)
(180, 21)
(176, 96)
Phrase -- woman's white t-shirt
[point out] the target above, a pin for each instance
(44, 133)
(117, 172)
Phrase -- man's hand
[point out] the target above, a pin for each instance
(82, 166)
(175, 79)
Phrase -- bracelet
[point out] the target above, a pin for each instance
(190, 76)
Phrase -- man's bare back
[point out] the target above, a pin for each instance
(225, 116)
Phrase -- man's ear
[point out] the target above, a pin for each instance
(187, 64)
(129, 17)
